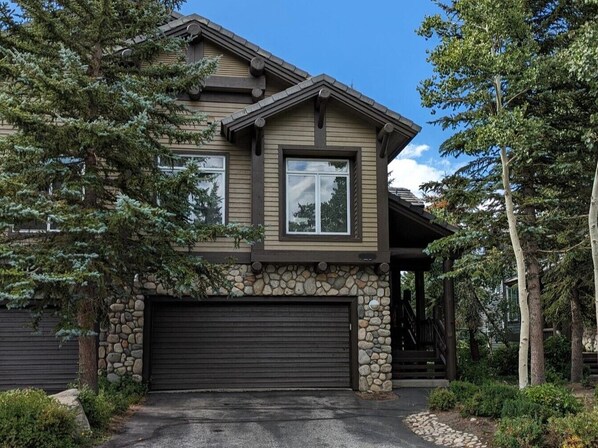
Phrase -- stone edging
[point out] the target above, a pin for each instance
(427, 426)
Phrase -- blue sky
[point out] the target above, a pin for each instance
(369, 45)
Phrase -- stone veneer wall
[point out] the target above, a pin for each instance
(121, 342)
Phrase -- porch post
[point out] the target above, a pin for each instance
(420, 305)
(449, 323)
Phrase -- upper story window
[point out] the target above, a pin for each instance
(212, 208)
(318, 197)
(512, 296)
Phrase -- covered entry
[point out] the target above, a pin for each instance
(263, 343)
(423, 328)
(29, 359)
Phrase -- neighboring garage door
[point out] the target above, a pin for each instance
(34, 360)
(250, 345)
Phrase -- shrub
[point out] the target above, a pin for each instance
(111, 399)
(441, 399)
(31, 419)
(522, 407)
(476, 372)
(505, 360)
(519, 432)
(98, 407)
(579, 431)
(557, 353)
(489, 400)
(463, 390)
(554, 377)
(554, 397)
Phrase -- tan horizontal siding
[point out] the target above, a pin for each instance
(239, 172)
(296, 127)
(171, 58)
(230, 65)
(6, 129)
(273, 86)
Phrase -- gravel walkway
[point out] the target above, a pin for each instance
(427, 426)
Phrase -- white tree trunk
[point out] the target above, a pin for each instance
(521, 281)
(593, 222)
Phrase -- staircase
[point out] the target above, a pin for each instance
(419, 354)
(590, 359)
(417, 365)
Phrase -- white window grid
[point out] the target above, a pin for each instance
(317, 176)
(211, 170)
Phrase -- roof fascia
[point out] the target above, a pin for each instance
(421, 216)
(240, 47)
(297, 95)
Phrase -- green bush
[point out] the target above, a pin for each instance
(463, 390)
(519, 432)
(99, 408)
(489, 400)
(111, 399)
(580, 431)
(554, 397)
(441, 399)
(505, 360)
(123, 394)
(557, 353)
(522, 407)
(31, 419)
(475, 372)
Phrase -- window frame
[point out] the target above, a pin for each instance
(353, 156)
(513, 314)
(225, 171)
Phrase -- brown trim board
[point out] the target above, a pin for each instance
(315, 256)
(382, 203)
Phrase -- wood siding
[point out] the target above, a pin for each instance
(238, 172)
(230, 65)
(296, 127)
(5, 129)
(170, 58)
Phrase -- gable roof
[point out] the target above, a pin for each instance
(418, 213)
(235, 44)
(404, 130)
(407, 195)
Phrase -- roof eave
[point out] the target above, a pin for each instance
(405, 130)
(443, 228)
(244, 49)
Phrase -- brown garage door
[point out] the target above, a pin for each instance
(34, 360)
(250, 345)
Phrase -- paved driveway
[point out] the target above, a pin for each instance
(271, 420)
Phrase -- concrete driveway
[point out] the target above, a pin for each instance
(272, 419)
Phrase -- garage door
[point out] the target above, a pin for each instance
(251, 345)
(34, 360)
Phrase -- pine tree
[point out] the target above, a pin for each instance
(504, 88)
(92, 113)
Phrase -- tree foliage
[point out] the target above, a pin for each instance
(90, 122)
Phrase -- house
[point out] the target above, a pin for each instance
(317, 303)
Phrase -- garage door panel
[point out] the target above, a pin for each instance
(265, 345)
(39, 359)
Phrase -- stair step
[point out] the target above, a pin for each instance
(413, 354)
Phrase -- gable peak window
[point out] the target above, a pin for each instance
(212, 208)
(318, 196)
